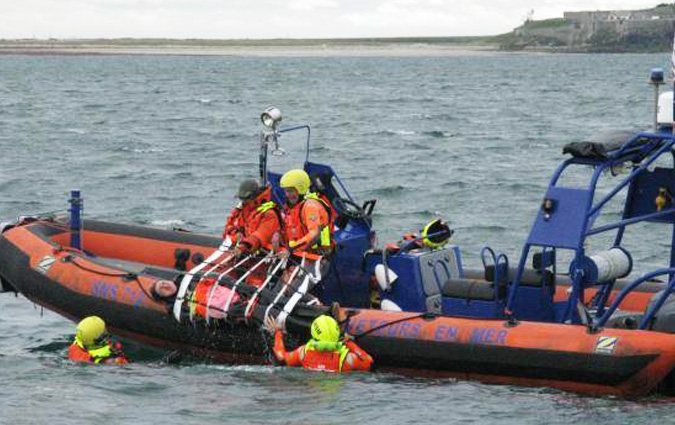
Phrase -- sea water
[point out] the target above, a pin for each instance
(165, 140)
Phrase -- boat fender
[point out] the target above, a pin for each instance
(385, 277)
(605, 266)
(182, 256)
(664, 113)
(389, 305)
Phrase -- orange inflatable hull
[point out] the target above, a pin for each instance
(113, 281)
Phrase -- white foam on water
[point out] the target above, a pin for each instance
(168, 222)
(139, 150)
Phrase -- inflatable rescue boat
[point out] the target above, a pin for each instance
(581, 325)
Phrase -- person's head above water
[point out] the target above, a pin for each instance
(91, 332)
(326, 329)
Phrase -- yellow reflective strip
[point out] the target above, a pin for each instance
(325, 236)
(100, 353)
(266, 206)
(343, 355)
(312, 195)
(325, 231)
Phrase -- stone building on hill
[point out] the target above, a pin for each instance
(612, 30)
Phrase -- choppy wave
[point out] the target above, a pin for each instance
(139, 150)
(439, 134)
(388, 190)
(395, 133)
(168, 222)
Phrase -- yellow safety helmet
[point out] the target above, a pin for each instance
(90, 331)
(296, 179)
(325, 329)
(439, 231)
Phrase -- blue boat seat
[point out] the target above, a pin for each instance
(530, 277)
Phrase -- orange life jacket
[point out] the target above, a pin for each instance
(295, 227)
(346, 357)
(80, 354)
(324, 361)
(254, 223)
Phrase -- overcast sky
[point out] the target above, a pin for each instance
(280, 18)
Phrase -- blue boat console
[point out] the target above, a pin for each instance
(416, 277)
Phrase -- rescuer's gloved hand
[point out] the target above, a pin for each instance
(284, 254)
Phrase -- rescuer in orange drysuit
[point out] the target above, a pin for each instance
(325, 352)
(252, 223)
(93, 345)
(250, 227)
(308, 219)
(308, 222)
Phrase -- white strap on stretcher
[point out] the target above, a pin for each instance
(220, 276)
(241, 279)
(299, 293)
(270, 275)
(185, 282)
(282, 291)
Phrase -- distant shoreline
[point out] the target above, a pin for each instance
(290, 48)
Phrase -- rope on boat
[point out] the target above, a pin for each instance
(126, 276)
(426, 315)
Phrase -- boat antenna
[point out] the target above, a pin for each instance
(656, 79)
(271, 117)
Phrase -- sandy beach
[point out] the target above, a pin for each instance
(314, 49)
